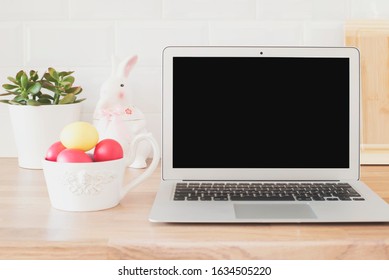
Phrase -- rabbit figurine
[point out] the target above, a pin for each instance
(116, 118)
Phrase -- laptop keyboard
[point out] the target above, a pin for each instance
(205, 191)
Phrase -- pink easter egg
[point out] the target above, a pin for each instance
(108, 149)
(54, 150)
(73, 155)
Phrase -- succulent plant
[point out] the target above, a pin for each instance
(53, 88)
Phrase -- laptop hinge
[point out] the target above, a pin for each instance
(260, 180)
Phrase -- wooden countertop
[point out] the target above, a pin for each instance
(31, 229)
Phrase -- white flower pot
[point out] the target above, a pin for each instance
(37, 127)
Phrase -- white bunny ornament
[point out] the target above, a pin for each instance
(116, 118)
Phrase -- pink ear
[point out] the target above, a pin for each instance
(129, 65)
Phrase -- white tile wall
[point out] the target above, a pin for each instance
(148, 38)
(41, 10)
(205, 9)
(320, 33)
(115, 9)
(256, 33)
(370, 9)
(82, 35)
(69, 43)
(12, 42)
(285, 10)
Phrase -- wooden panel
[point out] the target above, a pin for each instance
(372, 40)
(31, 229)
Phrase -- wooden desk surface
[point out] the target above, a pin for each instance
(31, 229)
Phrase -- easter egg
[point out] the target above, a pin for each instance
(79, 135)
(54, 150)
(108, 149)
(73, 155)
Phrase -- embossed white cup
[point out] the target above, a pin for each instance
(94, 186)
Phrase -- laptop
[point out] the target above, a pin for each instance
(262, 135)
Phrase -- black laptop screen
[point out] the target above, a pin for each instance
(260, 112)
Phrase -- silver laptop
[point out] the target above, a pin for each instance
(262, 135)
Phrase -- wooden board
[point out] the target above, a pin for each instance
(372, 40)
(31, 229)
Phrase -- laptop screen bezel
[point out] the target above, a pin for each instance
(170, 173)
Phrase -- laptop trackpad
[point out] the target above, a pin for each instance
(273, 211)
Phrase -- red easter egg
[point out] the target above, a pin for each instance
(54, 150)
(73, 155)
(108, 149)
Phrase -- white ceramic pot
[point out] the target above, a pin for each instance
(37, 127)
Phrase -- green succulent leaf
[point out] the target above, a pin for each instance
(24, 94)
(79, 100)
(49, 78)
(24, 80)
(44, 101)
(47, 85)
(53, 73)
(35, 88)
(6, 93)
(69, 98)
(19, 75)
(66, 84)
(14, 102)
(46, 96)
(34, 75)
(65, 73)
(74, 90)
(68, 80)
(19, 98)
(67, 87)
(9, 87)
(33, 102)
(12, 79)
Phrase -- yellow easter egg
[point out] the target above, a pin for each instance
(79, 135)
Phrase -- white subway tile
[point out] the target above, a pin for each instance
(145, 85)
(284, 9)
(148, 39)
(115, 9)
(369, 9)
(302, 9)
(205, 9)
(11, 35)
(70, 43)
(329, 9)
(34, 10)
(324, 34)
(256, 33)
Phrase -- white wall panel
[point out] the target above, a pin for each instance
(115, 9)
(82, 35)
(69, 44)
(205, 9)
(148, 39)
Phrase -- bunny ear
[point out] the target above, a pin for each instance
(126, 66)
